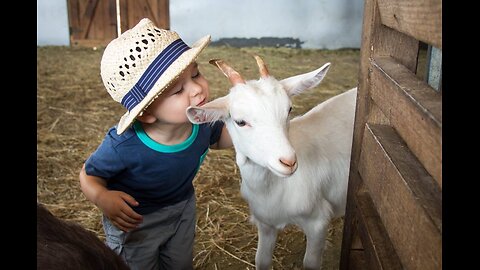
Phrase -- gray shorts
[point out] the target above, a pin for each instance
(164, 240)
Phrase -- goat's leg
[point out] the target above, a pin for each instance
(267, 236)
(315, 231)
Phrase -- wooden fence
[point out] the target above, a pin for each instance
(394, 206)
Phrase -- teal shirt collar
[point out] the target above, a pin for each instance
(142, 135)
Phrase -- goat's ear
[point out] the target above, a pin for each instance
(297, 84)
(210, 112)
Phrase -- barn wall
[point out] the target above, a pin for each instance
(328, 24)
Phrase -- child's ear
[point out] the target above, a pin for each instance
(146, 118)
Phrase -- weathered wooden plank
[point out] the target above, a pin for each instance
(376, 116)
(87, 17)
(124, 14)
(361, 114)
(149, 9)
(414, 109)
(357, 260)
(350, 239)
(159, 11)
(110, 19)
(164, 14)
(403, 48)
(356, 255)
(419, 19)
(370, 22)
(407, 198)
(134, 10)
(104, 25)
(74, 19)
(378, 248)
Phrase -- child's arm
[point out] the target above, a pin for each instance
(224, 142)
(114, 204)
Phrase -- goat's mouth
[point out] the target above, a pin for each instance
(283, 171)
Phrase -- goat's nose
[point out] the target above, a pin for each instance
(288, 162)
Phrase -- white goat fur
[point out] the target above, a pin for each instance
(320, 142)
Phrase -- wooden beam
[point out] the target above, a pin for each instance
(401, 47)
(407, 198)
(361, 113)
(421, 20)
(350, 223)
(164, 9)
(87, 17)
(357, 260)
(414, 109)
(124, 15)
(378, 248)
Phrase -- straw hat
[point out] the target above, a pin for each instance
(141, 63)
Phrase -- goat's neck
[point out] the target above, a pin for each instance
(256, 177)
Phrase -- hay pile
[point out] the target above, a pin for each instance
(74, 112)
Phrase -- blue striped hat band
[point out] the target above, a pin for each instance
(153, 73)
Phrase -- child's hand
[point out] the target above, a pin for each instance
(115, 205)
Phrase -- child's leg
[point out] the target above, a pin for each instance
(136, 248)
(141, 247)
(178, 251)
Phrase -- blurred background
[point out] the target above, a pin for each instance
(320, 24)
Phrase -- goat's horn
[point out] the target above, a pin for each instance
(261, 67)
(228, 71)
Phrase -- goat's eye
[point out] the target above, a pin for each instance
(240, 123)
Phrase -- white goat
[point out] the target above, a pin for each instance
(293, 172)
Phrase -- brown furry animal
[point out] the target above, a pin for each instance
(66, 245)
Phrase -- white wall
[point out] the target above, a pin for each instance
(52, 23)
(323, 24)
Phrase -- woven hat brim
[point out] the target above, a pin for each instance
(169, 76)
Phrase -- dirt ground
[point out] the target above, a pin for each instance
(74, 111)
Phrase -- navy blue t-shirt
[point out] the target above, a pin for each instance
(155, 175)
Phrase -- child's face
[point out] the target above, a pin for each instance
(191, 89)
